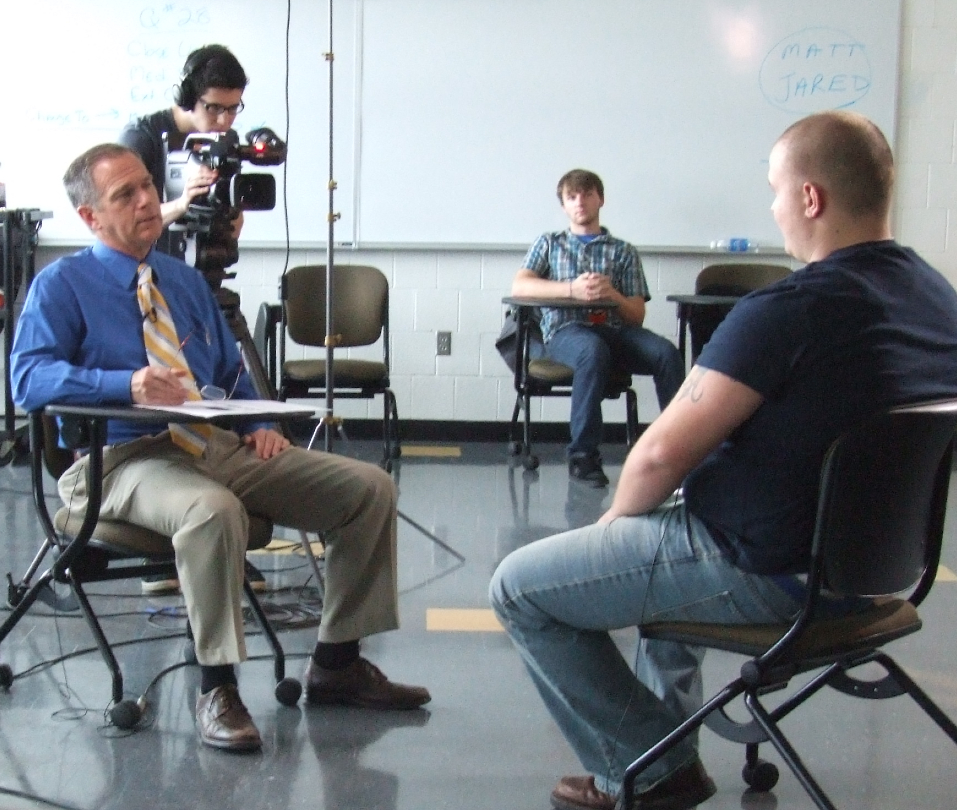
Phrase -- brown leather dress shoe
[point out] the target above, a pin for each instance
(224, 721)
(580, 793)
(684, 789)
(360, 684)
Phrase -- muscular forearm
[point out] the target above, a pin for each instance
(704, 412)
(648, 477)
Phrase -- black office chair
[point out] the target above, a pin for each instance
(360, 315)
(537, 376)
(880, 521)
(87, 550)
(726, 279)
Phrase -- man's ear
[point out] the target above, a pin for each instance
(814, 200)
(88, 215)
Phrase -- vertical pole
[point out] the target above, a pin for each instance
(329, 417)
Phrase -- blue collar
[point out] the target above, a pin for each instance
(120, 266)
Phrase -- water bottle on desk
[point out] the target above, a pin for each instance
(736, 244)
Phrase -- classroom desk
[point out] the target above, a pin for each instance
(97, 418)
(22, 595)
(523, 306)
(687, 304)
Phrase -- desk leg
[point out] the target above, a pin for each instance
(683, 310)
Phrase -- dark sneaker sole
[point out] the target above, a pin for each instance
(314, 698)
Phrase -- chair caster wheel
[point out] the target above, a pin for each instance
(189, 652)
(126, 714)
(288, 691)
(515, 448)
(530, 462)
(6, 676)
(761, 776)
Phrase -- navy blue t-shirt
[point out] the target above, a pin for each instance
(868, 327)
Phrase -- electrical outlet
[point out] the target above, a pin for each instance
(443, 343)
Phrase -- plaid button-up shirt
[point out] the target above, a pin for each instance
(562, 256)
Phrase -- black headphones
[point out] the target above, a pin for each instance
(186, 93)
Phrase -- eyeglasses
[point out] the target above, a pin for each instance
(217, 110)
(214, 392)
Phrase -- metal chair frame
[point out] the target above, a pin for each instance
(878, 533)
(82, 557)
(541, 377)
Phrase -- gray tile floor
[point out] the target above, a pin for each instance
(485, 741)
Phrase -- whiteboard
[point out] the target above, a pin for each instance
(454, 119)
(471, 110)
(96, 64)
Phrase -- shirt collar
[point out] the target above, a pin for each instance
(603, 233)
(121, 266)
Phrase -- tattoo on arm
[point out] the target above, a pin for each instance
(691, 388)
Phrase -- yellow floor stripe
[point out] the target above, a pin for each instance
(431, 450)
(461, 620)
(944, 574)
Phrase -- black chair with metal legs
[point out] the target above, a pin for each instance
(537, 376)
(86, 549)
(880, 519)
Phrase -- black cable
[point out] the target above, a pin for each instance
(19, 794)
(285, 165)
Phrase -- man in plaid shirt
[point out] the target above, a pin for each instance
(586, 263)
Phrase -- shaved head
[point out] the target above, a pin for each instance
(847, 155)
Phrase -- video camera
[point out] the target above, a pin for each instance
(222, 152)
(210, 216)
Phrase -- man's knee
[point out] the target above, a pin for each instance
(217, 507)
(505, 584)
(381, 485)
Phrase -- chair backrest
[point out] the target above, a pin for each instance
(360, 304)
(726, 279)
(882, 500)
(737, 279)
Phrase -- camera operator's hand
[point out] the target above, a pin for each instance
(156, 385)
(267, 443)
(197, 184)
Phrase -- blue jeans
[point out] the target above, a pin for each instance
(558, 598)
(593, 352)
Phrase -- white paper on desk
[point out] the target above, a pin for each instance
(212, 408)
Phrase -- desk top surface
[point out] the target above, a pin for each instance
(259, 410)
(558, 303)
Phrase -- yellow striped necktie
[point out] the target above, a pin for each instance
(164, 349)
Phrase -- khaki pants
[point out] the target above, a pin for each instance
(202, 503)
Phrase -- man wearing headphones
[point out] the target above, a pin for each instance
(208, 98)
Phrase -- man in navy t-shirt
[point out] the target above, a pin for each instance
(865, 325)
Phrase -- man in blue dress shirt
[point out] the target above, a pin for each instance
(80, 340)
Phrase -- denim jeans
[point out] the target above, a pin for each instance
(593, 351)
(558, 598)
